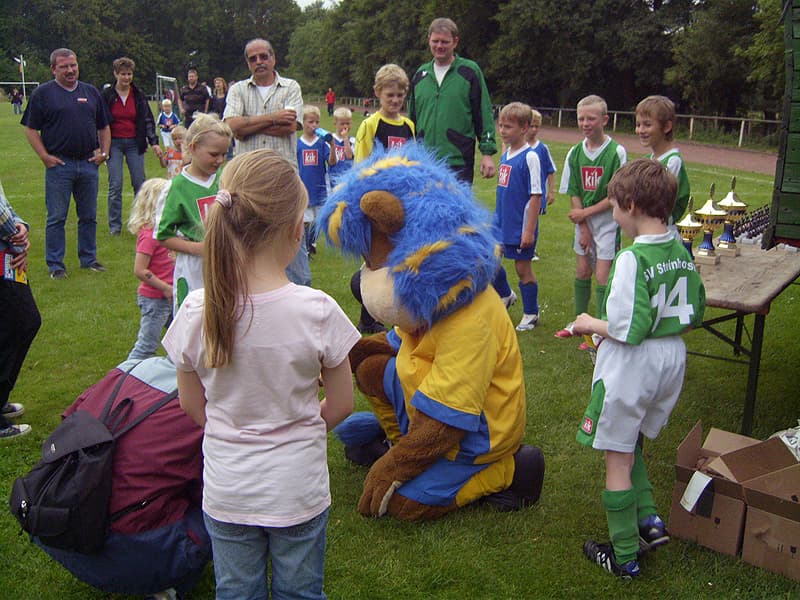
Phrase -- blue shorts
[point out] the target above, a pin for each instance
(513, 252)
(439, 483)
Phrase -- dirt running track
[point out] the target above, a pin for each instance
(705, 154)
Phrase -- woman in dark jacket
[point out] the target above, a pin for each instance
(132, 130)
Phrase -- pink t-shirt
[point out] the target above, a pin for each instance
(161, 263)
(265, 442)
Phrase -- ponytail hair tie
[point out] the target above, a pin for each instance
(224, 198)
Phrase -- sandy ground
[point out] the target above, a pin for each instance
(706, 154)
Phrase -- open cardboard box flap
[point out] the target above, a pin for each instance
(777, 493)
(695, 454)
(753, 461)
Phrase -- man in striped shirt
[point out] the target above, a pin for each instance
(264, 111)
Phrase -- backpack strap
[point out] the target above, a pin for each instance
(119, 414)
(165, 400)
(110, 402)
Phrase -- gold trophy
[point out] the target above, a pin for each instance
(710, 218)
(734, 210)
(688, 227)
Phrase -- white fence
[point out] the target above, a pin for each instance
(741, 131)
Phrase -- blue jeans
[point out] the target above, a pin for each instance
(122, 148)
(143, 563)
(156, 314)
(76, 178)
(299, 271)
(18, 109)
(297, 555)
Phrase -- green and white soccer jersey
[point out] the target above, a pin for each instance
(673, 160)
(182, 214)
(587, 172)
(654, 290)
(654, 294)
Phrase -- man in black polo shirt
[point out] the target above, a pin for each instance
(193, 97)
(67, 124)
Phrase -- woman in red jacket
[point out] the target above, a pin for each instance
(132, 130)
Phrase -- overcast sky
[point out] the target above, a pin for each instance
(304, 3)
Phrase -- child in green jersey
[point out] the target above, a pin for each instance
(587, 170)
(655, 123)
(180, 218)
(654, 294)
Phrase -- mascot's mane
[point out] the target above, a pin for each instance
(445, 253)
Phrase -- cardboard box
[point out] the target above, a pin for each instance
(716, 520)
(772, 530)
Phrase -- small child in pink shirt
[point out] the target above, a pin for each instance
(153, 265)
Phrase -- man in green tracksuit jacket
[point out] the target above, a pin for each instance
(450, 105)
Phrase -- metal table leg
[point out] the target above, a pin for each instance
(752, 376)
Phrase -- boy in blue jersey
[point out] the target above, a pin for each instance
(654, 295)
(343, 143)
(519, 197)
(314, 156)
(548, 168)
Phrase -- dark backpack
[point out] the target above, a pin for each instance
(64, 498)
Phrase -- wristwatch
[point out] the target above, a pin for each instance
(103, 155)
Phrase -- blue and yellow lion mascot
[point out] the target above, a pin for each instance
(446, 383)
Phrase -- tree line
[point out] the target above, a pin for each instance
(722, 57)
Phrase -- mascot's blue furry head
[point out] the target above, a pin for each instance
(405, 210)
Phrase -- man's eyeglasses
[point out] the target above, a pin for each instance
(264, 56)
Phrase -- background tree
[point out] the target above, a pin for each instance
(711, 56)
(313, 48)
(765, 56)
(706, 69)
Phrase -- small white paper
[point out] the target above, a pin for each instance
(792, 441)
(694, 490)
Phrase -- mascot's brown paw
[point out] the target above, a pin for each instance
(405, 509)
(379, 486)
(380, 498)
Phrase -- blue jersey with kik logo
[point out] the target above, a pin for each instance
(312, 161)
(518, 178)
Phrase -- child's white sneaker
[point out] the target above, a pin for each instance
(509, 300)
(528, 322)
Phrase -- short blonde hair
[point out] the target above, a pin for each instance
(660, 108)
(593, 100)
(536, 117)
(166, 102)
(143, 211)
(391, 74)
(310, 109)
(342, 113)
(267, 200)
(517, 112)
(179, 130)
(205, 124)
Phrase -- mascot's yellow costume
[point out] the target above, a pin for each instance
(446, 383)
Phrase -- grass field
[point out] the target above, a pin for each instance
(90, 323)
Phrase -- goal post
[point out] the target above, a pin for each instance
(167, 87)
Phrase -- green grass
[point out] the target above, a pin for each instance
(90, 323)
